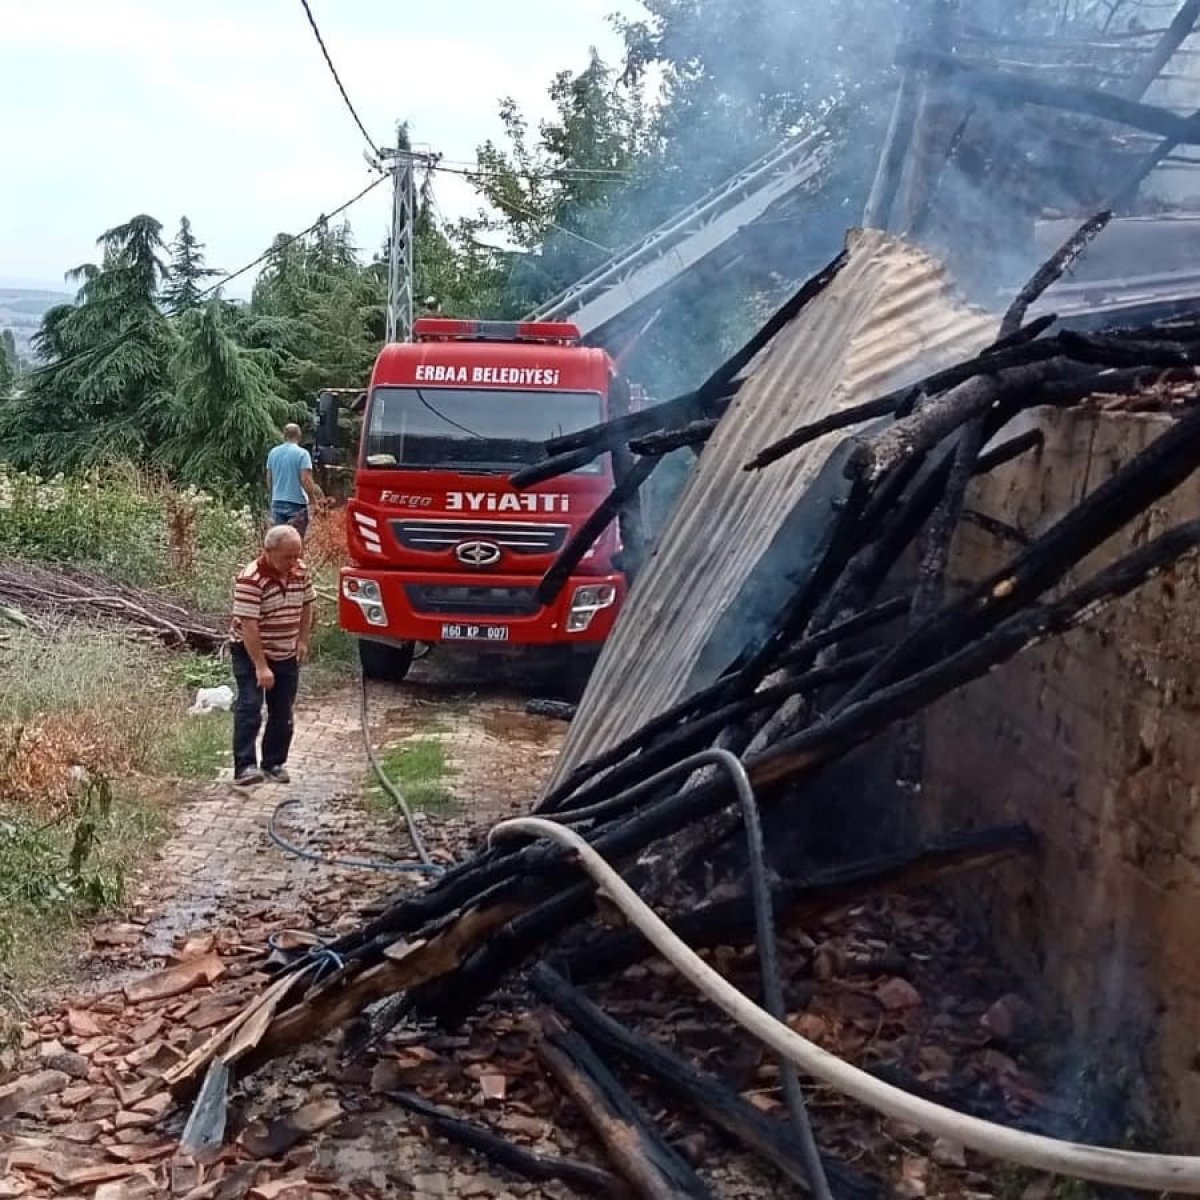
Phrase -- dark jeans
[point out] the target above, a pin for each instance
(247, 711)
(284, 512)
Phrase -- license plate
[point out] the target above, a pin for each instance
(475, 633)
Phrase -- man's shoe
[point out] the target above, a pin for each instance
(279, 774)
(247, 777)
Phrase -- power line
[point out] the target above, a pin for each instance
(287, 241)
(337, 78)
(224, 281)
(566, 174)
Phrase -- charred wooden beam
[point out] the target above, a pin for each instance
(653, 1168)
(1146, 478)
(714, 1100)
(720, 384)
(998, 529)
(541, 1168)
(860, 721)
(695, 433)
(699, 732)
(862, 622)
(688, 406)
(1120, 352)
(717, 694)
(1031, 439)
(586, 535)
(1021, 88)
(1052, 270)
(553, 467)
(1021, 336)
(1172, 38)
(838, 546)
(919, 433)
(1011, 352)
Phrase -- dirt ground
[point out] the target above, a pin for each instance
(88, 1116)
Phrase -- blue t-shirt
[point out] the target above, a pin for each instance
(285, 463)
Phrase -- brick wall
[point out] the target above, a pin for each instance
(1094, 739)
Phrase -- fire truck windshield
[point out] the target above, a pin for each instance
(470, 428)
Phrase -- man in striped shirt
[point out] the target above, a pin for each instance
(272, 621)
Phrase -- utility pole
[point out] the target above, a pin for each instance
(400, 250)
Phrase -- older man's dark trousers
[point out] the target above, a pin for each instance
(247, 711)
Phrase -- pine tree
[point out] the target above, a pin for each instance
(224, 410)
(96, 397)
(9, 363)
(187, 271)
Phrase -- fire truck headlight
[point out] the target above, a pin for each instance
(375, 614)
(362, 590)
(593, 597)
(587, 602)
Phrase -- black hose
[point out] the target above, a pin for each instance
(387, 785)
(423, 863)
(359, 864)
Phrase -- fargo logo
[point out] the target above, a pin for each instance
(400, 500)
(530, 502)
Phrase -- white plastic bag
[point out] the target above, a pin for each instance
(215, 699)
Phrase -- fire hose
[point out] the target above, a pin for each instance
(423, 863)
(1097, 1164)
(764, 921)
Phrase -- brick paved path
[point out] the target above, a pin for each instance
(220, 852)
(219, 866)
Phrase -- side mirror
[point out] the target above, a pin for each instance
(327, 420)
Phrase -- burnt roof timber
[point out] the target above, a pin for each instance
(1021, 88)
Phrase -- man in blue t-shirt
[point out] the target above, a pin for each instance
(290, 481)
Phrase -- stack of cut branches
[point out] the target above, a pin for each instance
(789, 708)
(47, 596)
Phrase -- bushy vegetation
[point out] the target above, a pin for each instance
(93, 722)
(135, 527)
(84, 716)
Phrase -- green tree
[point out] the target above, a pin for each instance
(9, 362)
(96, 394)
(321, 310)
(557, 192)
(187, 270)
(224, 411)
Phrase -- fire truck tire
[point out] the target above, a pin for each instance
(384, 661)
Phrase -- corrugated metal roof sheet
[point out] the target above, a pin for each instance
(889, 318)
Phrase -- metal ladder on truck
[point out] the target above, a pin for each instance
(642, 271)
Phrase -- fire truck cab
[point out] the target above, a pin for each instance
(443, 547)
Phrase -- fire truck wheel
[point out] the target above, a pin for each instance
(384, 661)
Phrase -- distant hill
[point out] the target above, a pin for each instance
(21, 310)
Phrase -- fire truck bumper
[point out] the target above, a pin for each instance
(399, 606)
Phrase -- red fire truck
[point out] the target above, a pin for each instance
(444, 548)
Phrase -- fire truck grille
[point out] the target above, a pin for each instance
(472, 601)
(517, 537)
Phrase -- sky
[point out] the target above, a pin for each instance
(224, 110)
